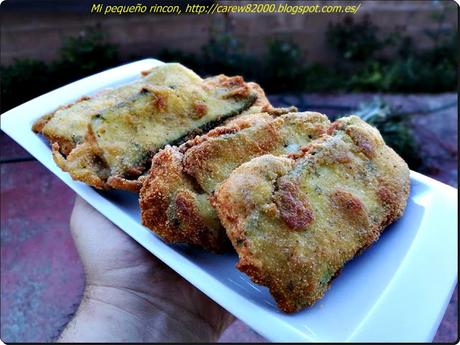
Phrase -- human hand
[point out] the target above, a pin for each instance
(132, 296)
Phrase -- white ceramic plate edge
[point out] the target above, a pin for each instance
(393, 313)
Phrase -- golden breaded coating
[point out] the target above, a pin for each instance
(174, 209)
(68, 124)
(295, 221)
(174, 199)
(215, 158)
(126, 126)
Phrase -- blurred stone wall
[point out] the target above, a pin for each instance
(39, 34)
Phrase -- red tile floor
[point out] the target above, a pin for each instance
(41, 275)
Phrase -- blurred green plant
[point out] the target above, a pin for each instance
(355, 41)
(367, 61)
(395, 128)
(285, 67)
(80, 56)
(431, 69)
(224, 53)
(23, 80)
(85, 54)
(320, 78)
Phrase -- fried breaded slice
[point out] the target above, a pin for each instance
(174, 199)
(295, 221)
(68, 124)
(122, 129)
(210, 162)
(173, 206)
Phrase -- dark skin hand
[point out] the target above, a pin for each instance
(132, 296)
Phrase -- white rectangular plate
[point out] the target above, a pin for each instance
(397, 290)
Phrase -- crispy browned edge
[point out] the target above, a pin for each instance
(62, 148)
(392, 195)
(155, 199)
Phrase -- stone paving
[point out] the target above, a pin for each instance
(41, 275)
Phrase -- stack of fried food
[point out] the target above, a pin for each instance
(218, 167)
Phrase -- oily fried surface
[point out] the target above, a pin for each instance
(175, 196)
(126, 126)
(296, 221)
